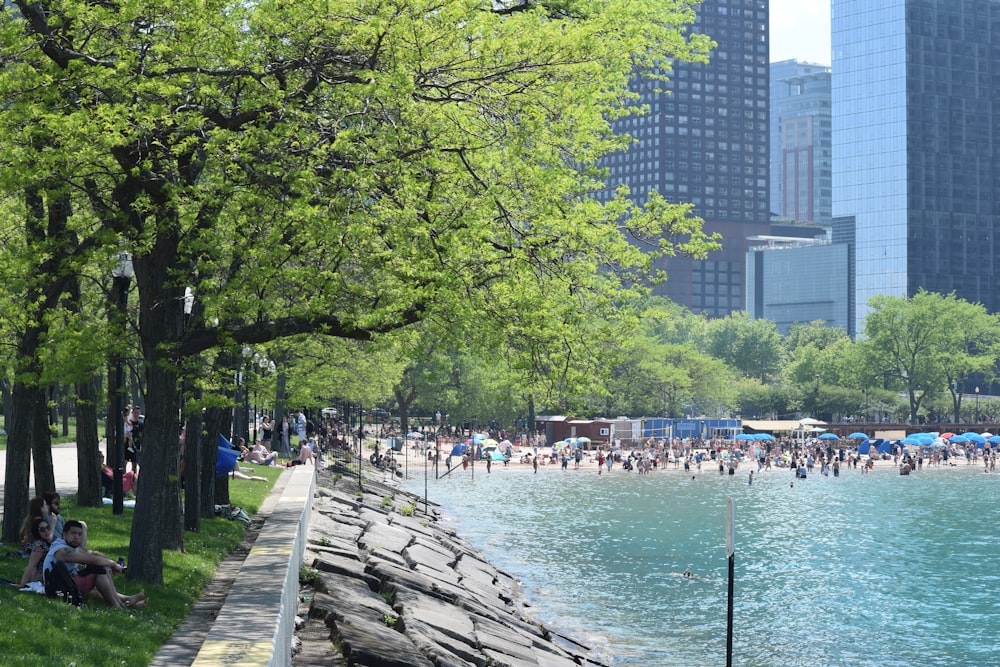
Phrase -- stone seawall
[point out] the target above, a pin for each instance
(392, 587)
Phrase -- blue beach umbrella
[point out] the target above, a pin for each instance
(745, 436)
(763, 436)
(958, 438)
(975, 437)
(857, 435)
(829, 436)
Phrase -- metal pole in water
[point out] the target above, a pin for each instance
(731, 553)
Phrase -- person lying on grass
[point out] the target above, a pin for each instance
(92, 570)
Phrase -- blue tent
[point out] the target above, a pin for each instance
(225, 460)
(459, 450)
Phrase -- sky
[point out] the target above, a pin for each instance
(800, 29)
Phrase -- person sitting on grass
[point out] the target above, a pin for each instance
(91, 570)
(55, 519)
(40, 542)
(261, 456)
(37, 508)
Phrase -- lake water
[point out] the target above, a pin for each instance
(876, 569)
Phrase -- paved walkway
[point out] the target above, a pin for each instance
(63, 465)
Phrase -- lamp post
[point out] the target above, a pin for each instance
(977, 405)
(121, 277)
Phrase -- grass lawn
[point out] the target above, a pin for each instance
(36, 630)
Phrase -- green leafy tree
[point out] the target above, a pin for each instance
(909, 339)
(346, 169)
(752, 346)
(816, 334)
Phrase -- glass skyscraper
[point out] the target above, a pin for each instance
(706, 142)
(801, 146)
(916, 146)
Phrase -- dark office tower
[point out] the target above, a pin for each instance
(706, 142)
(916, 145)
(801, 150)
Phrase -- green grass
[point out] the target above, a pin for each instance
(40, 631)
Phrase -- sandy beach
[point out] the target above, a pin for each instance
(412, 462)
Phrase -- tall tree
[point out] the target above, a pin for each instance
(910, 338)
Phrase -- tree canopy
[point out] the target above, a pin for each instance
(343, 168)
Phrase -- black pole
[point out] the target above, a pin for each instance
(729, 615)
(246, 407)
(731, 549)
(360, 443)
(118, 492)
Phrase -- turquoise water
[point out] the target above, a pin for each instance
(876, 569)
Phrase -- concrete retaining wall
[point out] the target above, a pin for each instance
(257, 621)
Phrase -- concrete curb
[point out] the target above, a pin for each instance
(266, 594)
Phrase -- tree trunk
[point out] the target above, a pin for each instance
(65, 411)
(215, 490)
(16, 476)
(110, 414)
(88, 460)
(41, 444)
(5, 398)
(193, 444)
(530, 426)
(279, 395)
(28, 429)
(88, 450)
(157, 522)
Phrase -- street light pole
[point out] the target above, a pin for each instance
(977, 405)
(121, 276)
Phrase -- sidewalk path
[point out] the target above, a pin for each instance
(63, 465)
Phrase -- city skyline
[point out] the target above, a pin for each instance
(800, 30)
